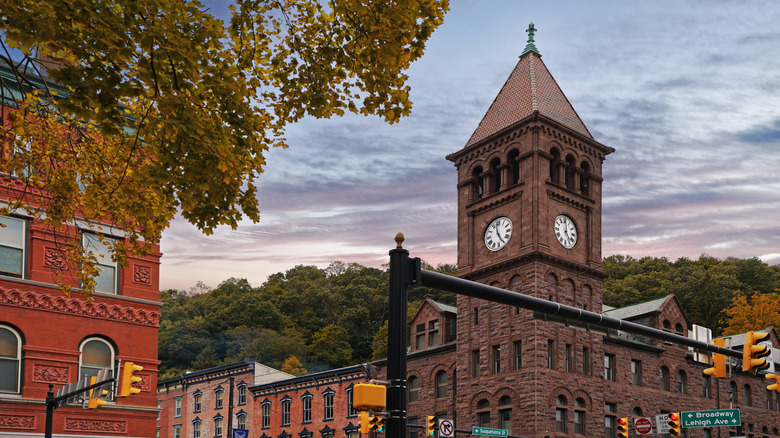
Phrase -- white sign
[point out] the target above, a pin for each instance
(642, 425)
(662, 423)
(446, 428)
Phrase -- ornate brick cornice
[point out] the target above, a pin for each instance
(74, 306)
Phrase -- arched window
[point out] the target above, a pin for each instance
(306, 407)
(10, 359)
(476, 175)
(678, 328)
(483, 413)
(637, 412)
(579, 416)
(570, 172)
(747, 395)
(585, 178)
(667, 325)
(514, 164)
(733, 392)
(663, 376)
(495, 175)
(327, 404)
(505, 413)
(560, 414)
(554, 160)
(441, 384)
(414, 389)
(96, 354)
(681, 381)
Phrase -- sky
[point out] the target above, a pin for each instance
(688, 94)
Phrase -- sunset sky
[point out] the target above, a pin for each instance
(688, 93)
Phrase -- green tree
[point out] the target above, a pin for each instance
(293, 366)
(330, 346)
(160, 107)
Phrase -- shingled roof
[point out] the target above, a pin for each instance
(530, 88)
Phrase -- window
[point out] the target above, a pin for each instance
(476, 316)
(306, 403)
(420, 340)
(177, 407)
(569, 359)
(196, 428)
(286, 412)
(560, 414)
(476, 176)
(414, 389)
(483, 413)
(636, 372)
(197, 400)
(10, 358)
(475, 363)
(218, 397)
(218, 426)
(242, 395)
(747, 395)
(96, 354)
(107, 278)
(327, 401)
(579, 416)
(706, 385)
(609, 367)
(666, 324)
(732, 392)
(505, 413)
(351, 412)
(420, 327)
(13, 243)
(241, 420)
(441, 384)
(517, 361)
(265, 415)
(177, 431)
(496, 359)
(663, 377)
(585, 361)
(681, 381)
(551, 354)
(769, 400)
(412, 431)
(610, 429)
(433, 338)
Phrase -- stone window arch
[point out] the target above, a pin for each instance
(483, 413)
(663, 377)
(505, 413)
(561, 414)
(414, 389)
(96, 354)
(571, 172)
(733, 391)
(10, 359)
(747, 395)
(555, 160)
(441, 384)
(682, 381)
(585, 178)
(580, 411)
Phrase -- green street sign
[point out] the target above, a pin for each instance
(722, 417)
(489, 432)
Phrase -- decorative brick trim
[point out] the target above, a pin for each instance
(55, 259)
(17, 422)
(53, 374)
(142, 275)
(84, 425)
(62, 304)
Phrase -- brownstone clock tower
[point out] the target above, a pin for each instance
(529, 220)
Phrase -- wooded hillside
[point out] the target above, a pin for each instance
(333, 317)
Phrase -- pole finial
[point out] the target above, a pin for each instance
(399, 239)
(530, 47)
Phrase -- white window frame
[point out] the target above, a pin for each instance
(176, 407)
(17, 358)
(242, 394)
(112, 360)
(306, 408)
(327, 401)
(102, 252)
(22, 245)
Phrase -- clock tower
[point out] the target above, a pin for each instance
(529, 220)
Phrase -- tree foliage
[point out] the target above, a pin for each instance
(752, 312)
(151, 108)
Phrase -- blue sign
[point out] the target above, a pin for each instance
(240, 433)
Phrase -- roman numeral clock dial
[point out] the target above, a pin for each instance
(565, 231)
(498, 233)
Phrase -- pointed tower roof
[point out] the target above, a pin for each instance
(530, 88)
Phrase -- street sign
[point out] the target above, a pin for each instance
(642, 425)
(722, 417)
(489, 432)
(240, 433)
(446, 428)
(662, 424)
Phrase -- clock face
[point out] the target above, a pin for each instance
(565, 231)
(498, 233)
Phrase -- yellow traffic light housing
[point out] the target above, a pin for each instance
(377, 423)
(126, 384)
(622, 427)
(775, 386)
(430, 425)
(752, 353)
(674, 424)
(718, 368)
(96, 395)
(364, 422)
(369, 397)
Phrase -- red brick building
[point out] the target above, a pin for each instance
(48, 337)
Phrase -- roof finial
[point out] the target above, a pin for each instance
(530, 47)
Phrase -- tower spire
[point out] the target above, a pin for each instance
(530, 47)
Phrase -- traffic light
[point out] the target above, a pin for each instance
(377, 423)
(126, 384)
(674, 424)
(96, 395)
(369, 397)
(718, 361)
(752, 353)
(430, 425)
(364, 423)
(775, 386)
(622, 427)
